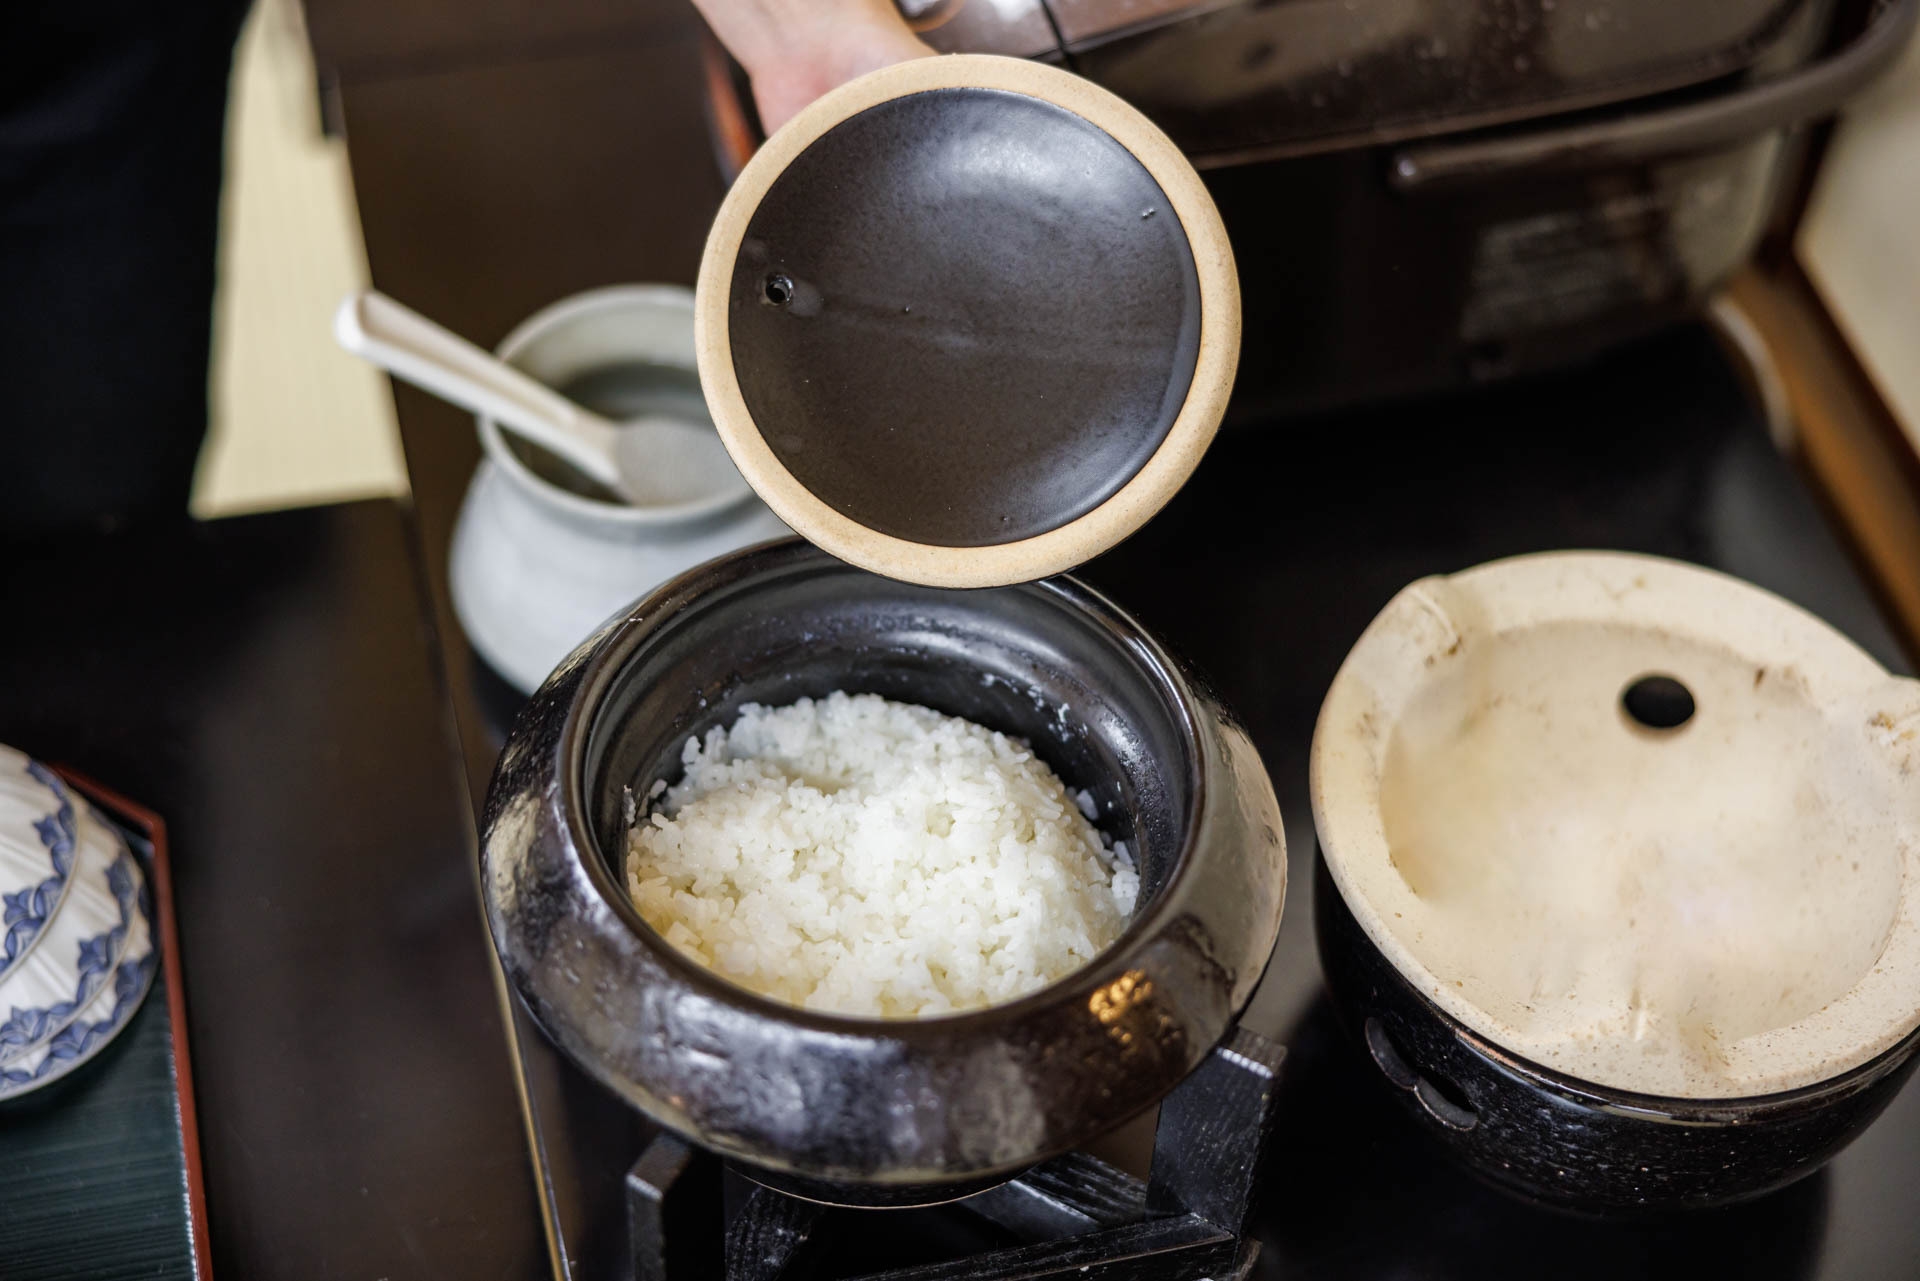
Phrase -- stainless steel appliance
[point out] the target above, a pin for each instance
(1426, 195)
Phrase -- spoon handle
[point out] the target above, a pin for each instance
(409, 346)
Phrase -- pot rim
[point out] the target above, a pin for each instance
(1665, 1109)
(1677, 1109)
(630, 634)
(1877, 1012)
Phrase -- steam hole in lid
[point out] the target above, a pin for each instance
(1657, 702)
(779, 290)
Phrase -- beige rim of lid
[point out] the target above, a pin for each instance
(1089, 534)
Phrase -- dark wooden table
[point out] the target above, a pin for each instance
(491, 183)
(496, 173)
(271, 687)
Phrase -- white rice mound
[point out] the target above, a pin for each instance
(868, 857)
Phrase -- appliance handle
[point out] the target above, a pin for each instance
(1815, 90)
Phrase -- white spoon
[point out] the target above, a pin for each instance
(654, 463)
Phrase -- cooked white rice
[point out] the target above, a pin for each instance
(871, 857)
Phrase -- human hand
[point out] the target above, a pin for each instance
(796, 50)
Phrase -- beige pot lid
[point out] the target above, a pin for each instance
(1698, 894)
(967, 321)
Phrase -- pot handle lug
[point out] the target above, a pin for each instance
(1386, 1056)
(1438, 1103)
(1443, 1109)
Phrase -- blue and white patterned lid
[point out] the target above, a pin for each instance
(36, 853)
(76, 942)
(113, 1003)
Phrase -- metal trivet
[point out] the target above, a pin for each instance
(1074, 1215)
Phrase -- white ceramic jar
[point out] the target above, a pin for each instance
(537, 566)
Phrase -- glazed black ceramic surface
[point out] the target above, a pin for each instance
(1569, 1143)
(864, 1110)
(964, 317)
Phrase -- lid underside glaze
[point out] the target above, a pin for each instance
(967, 321)
(964, 317)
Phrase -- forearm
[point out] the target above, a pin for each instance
(796, 50)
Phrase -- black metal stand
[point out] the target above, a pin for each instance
(1076, 1216)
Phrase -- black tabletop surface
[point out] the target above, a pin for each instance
(270, 687)
(1263, 572)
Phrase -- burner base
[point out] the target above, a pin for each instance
(1072, 1216)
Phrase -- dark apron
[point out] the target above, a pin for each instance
(111, 133)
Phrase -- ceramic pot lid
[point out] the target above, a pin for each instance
(967, 321)
(1631, 820)
(36, 853)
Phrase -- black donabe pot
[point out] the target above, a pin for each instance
(1570, 1143)
(1564, 753)
(865, 1111)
